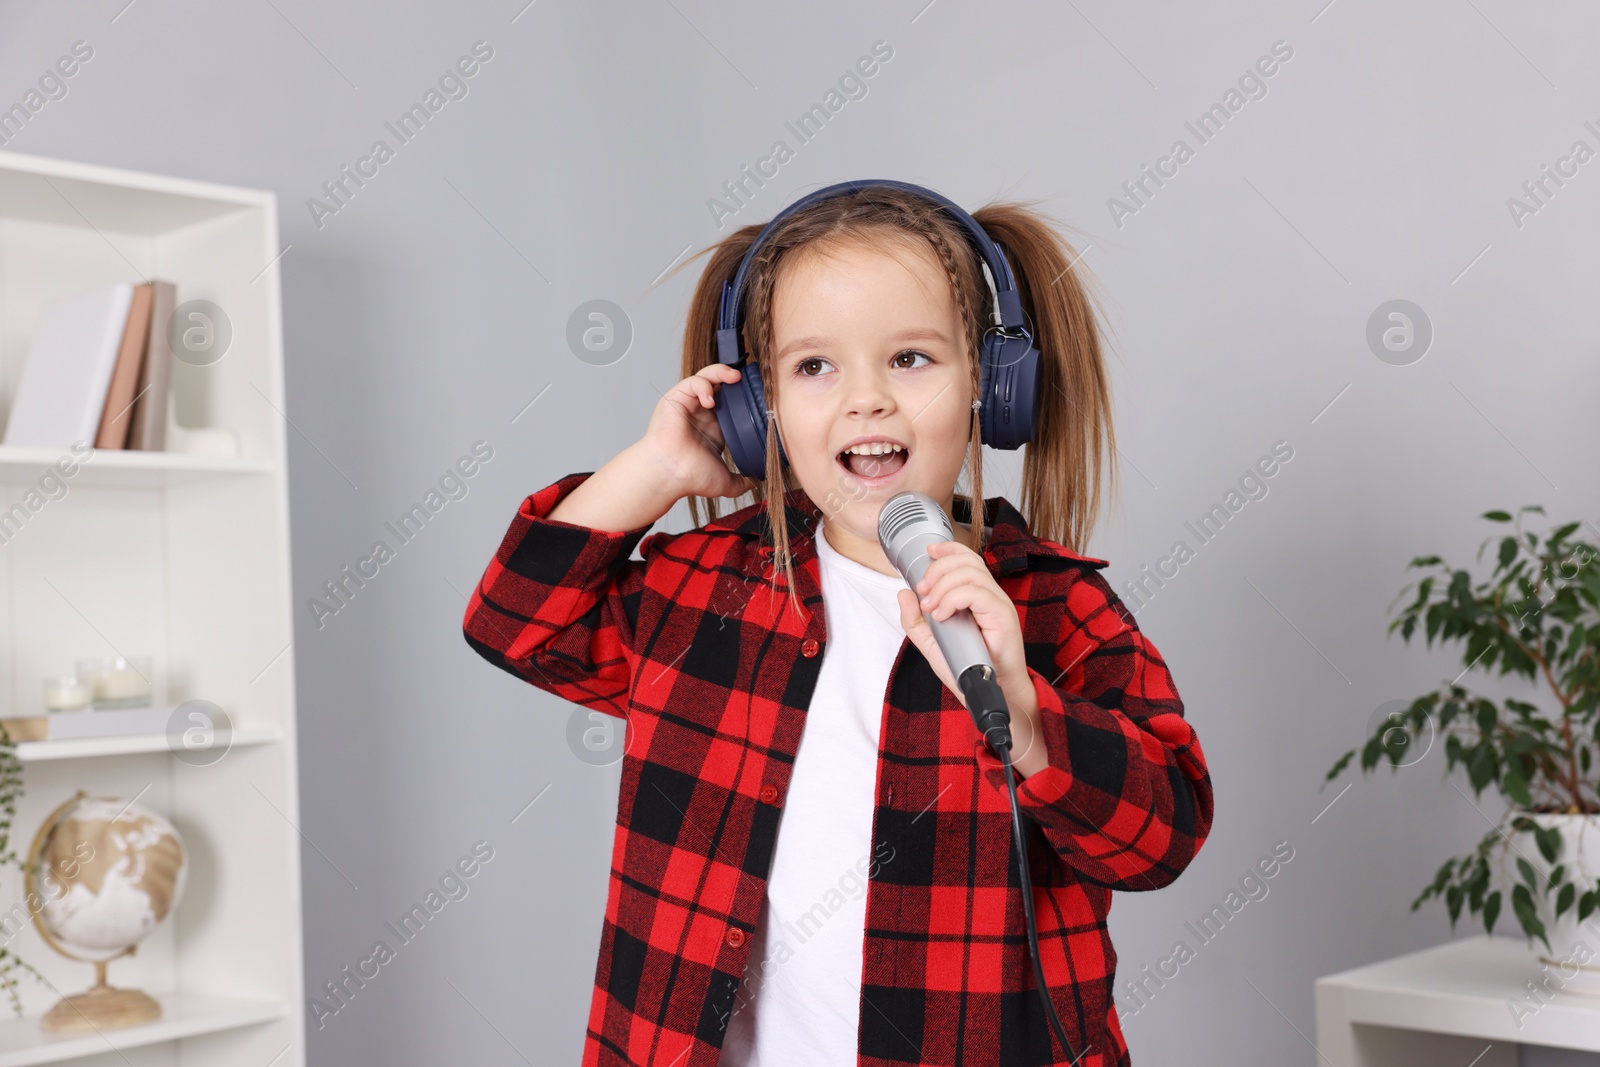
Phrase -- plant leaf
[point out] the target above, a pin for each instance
(1491, 911)
(1527, 916)
(1508, 552)
(1516, 787)
(1526, 870)
(1488, 717)
(1549, 840)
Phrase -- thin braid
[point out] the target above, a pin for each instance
(777, 479)
(974, 444)
(948, 254)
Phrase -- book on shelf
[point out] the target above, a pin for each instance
(113, 431)
(62, 392)
(148, 423)
(98, 371)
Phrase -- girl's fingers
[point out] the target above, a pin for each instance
(914, 620)
(953, 600)
(703, 382)
(916, 627)
(718, 370)
(936, 569)
(962, 590)
(947, 556)
(943, 575)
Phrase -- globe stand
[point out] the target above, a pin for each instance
(103, 1007)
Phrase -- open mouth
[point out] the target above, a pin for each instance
(873, 468)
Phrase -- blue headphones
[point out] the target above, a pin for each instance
(1008, 366)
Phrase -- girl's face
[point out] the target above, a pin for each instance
(868, 343)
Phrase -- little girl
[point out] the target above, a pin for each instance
(813, 856)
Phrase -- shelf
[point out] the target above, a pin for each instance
(182, 1015)
(121, 467)
(128, 744)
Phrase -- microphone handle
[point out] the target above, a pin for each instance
(961, 643)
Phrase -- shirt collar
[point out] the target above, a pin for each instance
(1010, 542)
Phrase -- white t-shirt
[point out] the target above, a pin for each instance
(800, 1000)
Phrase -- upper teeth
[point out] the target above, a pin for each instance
(876, 448)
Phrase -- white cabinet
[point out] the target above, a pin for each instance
(1454, 1005)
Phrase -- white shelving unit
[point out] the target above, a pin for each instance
(1451, 1005)
(181, 557)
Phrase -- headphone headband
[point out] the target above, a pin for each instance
(1008, 301)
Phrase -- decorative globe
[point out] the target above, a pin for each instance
(106, 872)
(112, 871)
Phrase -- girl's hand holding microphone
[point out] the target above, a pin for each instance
(679, 455)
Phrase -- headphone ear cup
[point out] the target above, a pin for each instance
(1009, 379)
(742, 414)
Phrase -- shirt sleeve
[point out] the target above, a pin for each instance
(558, 604)
(1126, 798)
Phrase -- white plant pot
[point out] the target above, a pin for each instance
(1574, 953)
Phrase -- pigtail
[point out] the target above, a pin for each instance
(1061, 471)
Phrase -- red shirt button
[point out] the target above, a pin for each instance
(769, 793)
(808, 648)
(735, 937)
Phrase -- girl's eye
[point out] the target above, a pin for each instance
(799, 368)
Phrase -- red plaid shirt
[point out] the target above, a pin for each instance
(714, 674)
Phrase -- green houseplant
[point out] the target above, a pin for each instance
(1537, 615)
(10, 792)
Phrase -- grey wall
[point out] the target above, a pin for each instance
(429, 311)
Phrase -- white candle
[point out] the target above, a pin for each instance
(65, 693)
(120, 684)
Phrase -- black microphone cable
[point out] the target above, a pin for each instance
(987, 703)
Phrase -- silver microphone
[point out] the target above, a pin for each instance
(910, 522)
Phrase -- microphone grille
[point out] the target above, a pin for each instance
(907, 508)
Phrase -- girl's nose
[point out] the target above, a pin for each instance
(870, 397)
